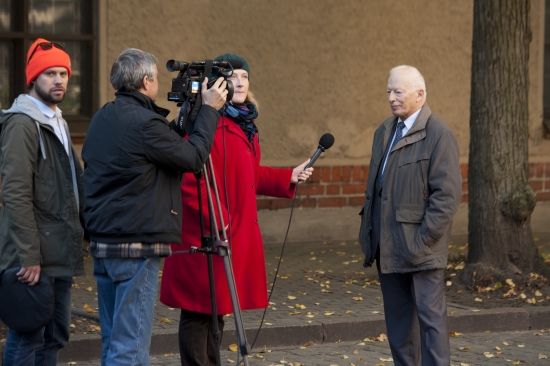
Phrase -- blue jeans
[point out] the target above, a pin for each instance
(42, 347)
(127, 291)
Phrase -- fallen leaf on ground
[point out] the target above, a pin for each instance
(455, 334)
(386, 359)
(521, 345)
(488, 354)
(290, 297)
(233, 347)
(542, 357)
(165, 320)
(382, 338)
(89, 289)
(477, 299)
(168, 354)
(465, 348)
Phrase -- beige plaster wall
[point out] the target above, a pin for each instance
(319, 65)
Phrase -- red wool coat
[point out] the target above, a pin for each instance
(185, 282)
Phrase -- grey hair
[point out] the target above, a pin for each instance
(130, 67)
(414, 76)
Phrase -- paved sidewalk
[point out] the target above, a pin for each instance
(508, 348)
(322, 295)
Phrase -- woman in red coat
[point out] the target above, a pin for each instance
(239, 176)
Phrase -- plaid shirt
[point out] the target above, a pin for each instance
(129, 250)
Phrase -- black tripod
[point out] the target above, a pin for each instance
(213, 244)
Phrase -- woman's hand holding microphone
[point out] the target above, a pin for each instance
(299, 174)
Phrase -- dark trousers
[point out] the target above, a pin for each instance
(42, 347)
(196, 340)
(416, 317)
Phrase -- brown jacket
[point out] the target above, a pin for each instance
(422, 189)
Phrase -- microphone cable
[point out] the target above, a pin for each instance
(278, 266)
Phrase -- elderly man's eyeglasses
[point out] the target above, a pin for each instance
(47, 46)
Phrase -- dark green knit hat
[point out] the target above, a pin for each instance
(232, 56)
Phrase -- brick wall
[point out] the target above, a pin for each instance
(344, 186)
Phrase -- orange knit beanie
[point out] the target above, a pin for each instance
(44, 59)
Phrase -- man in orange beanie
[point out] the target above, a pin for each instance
(40, 230)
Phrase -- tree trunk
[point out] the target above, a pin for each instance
(500, 198)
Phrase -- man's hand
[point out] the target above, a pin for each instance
(215, 96)
(29, 275)
(299, 175)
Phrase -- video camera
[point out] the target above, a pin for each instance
(186, 87)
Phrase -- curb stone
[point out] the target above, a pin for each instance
(88, 347)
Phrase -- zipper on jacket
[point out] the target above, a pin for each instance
(423, 183)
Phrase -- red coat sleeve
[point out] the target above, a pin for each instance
(275, 182)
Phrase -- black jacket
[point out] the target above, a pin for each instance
(132, 161)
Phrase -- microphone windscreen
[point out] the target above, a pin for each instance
(237, 64)
(326, 141)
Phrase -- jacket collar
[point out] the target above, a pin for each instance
(232, 127)
(142, 100)
(419, 125)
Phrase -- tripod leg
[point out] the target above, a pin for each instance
(215, 328)
(239, 327)
(223, 251)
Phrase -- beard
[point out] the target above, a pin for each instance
(47, 96)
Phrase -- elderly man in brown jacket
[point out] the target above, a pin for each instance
(413, 192)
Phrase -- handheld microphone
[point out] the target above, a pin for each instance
(325, 142)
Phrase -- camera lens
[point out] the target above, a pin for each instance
(173, 65)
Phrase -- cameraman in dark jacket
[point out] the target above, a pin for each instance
(133, 163)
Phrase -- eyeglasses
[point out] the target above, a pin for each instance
(47, 46)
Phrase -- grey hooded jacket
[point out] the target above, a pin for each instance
(40, 220)
(420, 197)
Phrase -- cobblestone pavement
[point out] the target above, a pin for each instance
(510, 348)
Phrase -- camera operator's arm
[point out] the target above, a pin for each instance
(167, 149)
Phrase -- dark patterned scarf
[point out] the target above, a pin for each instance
(244, 115)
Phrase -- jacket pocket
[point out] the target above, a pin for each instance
(53, 244)
(409, 216)
(44, 179)
(409, 221)
(413, 169)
